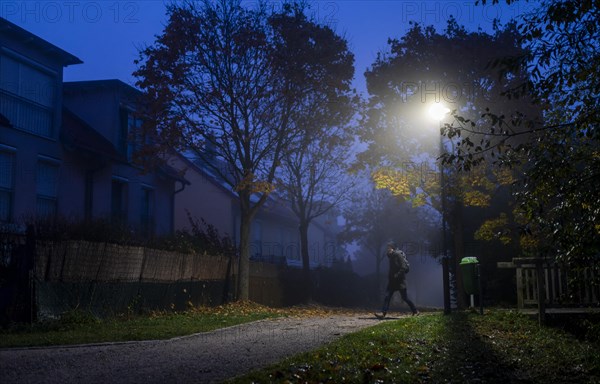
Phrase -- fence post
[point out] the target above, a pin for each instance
(30, 270)
(541, 291)
(519, 273)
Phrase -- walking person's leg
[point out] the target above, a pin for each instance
(404, 295)
(386, 304)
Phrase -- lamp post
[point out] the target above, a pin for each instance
(438, 112)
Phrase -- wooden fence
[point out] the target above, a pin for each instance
(557, 287)
(76, 261)
(43, 279)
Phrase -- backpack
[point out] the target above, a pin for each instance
(404, 265)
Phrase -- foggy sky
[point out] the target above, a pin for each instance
(107, 34)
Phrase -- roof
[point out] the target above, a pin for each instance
(128, 96)
(40, 45)
(173, 174)
(92, 85)
(196, 166)
(274, 205)
(77, 135)
(4, 122)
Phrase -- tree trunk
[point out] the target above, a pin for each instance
(307, 284)
(243, 292)
(459, 253)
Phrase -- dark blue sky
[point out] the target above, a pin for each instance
(106, 34)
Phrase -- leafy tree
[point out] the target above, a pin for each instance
(425, 67)
(558, 191)
(422, 68)
(227, 83)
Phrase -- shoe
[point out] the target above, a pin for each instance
(380, 316)
(416, 313)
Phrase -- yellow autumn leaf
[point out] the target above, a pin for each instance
(253, 185)
(528, 242)
(476, 199)
(493, 230)
(504, 176)
(395, 181)
(419, 200)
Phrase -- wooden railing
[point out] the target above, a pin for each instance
(558, 287)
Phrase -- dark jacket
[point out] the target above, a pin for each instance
(398, 270)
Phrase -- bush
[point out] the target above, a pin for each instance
(203, 237)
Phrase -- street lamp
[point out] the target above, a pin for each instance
(438, 112)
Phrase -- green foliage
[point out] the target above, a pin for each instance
(452, 67)
(494, 229)
(557, 149)
(97, 230)
(401, 88)
(457, 73)
(202, 238)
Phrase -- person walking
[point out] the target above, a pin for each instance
(399, 267)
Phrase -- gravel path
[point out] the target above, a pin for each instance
(201, 358)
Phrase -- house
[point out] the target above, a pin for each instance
(275, 236)
(66, 148)
(100, 139)
(31, 155)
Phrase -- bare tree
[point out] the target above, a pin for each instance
(315, 181)
(221, 82)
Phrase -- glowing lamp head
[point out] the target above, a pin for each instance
(438, 111)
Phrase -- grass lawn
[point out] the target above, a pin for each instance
(80, 327)
(499, 347)
(465, 347)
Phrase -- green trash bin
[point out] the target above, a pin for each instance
(468, 267)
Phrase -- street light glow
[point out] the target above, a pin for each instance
(438, 111)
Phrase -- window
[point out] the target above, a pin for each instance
(7, 171)
(119, 200)
(147, 212)
(27, 96)
(47, 186)
(128, 140)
